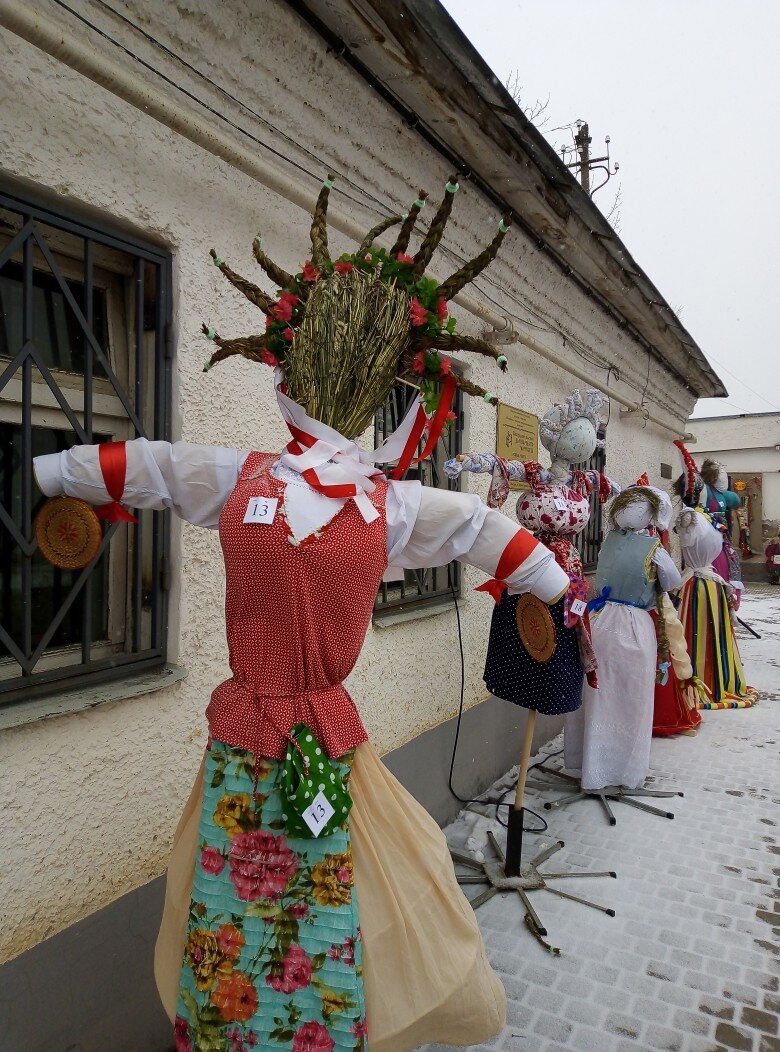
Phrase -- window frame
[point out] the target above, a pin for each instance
(589, 542)
(397, 597)
(132, 399)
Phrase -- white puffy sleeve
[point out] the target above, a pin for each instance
(431, 527)
(668, 575)
(193, 481)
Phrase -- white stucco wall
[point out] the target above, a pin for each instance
(747, 444)
(90, 800)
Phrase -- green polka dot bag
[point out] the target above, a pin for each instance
(318, 801)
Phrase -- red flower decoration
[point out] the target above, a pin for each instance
(418, 365)
(295, 972)
(446, 367)
(269, 321)
(343, 267)
(403, 258)
(441, 311)
(260, 865)
(310, 273)
(313, 1037)
(451, 415)
(181, 1035)
(211, 860)
(418, 313)
(288, 333)
(283, 310)
(269, 358)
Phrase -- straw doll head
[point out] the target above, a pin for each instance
(344, 330)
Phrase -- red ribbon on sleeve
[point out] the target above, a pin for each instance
(113, 464)
(516, 552)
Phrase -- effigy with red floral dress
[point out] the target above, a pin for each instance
(311, 902)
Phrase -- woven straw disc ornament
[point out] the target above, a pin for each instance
(535, 627)
(68, 533)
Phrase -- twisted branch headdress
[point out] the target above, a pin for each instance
(344, 330)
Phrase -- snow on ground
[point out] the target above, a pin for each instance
(690, 961)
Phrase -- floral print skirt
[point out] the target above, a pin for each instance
(273, 955)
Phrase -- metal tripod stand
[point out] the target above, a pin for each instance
(507, 872)
(530, 878)
(610, 793)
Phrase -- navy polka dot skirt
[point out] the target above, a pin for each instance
(552, 687)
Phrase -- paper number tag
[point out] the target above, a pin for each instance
(317, 814)
(262, 510)
(776, 559)
(578, 607)
(560, 504)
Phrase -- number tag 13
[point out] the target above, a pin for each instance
(261, 510)
(317, 813)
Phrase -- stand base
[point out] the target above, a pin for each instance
(610, 793)
(495, 873)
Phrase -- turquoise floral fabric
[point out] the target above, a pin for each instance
(273, 957)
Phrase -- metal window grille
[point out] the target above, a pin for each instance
(435, 584)
(589, 541)
(84, 358)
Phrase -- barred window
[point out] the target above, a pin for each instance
(84, 357)
(435, 585)
(589, 541)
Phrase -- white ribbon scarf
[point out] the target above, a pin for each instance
(335, 460)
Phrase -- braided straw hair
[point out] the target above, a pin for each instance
(402, 241)
(345, 330)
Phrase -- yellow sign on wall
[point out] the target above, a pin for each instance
(517, 437)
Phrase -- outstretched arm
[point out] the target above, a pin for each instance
(431, 527)
(194, 481)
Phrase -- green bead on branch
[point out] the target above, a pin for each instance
(405, 233)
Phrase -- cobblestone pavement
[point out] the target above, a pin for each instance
(690, 961)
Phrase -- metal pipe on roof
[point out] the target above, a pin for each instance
(42, 32)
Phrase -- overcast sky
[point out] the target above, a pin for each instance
(689, 91)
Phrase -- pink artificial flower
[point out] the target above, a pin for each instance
(295, 972)
(260, 865)
(313, 1037)
(452, 416)
(441, 310)
(288, 333)
(343, 267)
(310, 273)
(418, 365)
(334, 953)
(283, 309)
(344, 875)
(446, 367)
(299, 910)
(367, 257)
(181, 1035)
(418, 313)
(403, 258)
(269, 358)
(211, 860)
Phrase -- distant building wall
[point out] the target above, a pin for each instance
(746, 445)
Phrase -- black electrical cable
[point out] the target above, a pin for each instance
(467, 800)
